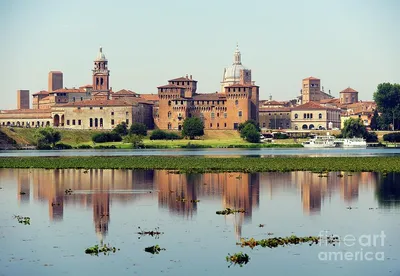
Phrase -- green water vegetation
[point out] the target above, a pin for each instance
(189, 164)
(105, 249)
(154, 233)
(68, 191)
(237, 258)
(23, 220)
(155, 249)
(283, 241)
(229, 211)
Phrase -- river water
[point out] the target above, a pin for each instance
(263, 152)
(108, 206)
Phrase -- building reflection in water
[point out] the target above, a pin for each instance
(98, 189)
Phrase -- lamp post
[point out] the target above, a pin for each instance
(275, 121)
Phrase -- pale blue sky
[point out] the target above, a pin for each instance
(344, 43)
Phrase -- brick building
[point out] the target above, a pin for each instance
(237, 103)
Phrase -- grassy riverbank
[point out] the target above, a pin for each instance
(205, 164)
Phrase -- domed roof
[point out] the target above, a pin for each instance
(100, 55)
(232, 73)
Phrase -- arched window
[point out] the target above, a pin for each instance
(96, 122)
(296, 116)
(304, 126)
(169, 114)
(296, 127)
(169, 126)
(97, 81)
(101, 81)
(236, 102)
(101, 122)
(90, 122)
(320, 115)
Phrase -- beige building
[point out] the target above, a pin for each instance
(26, 117)
(102, 114)
(274, 118)
(312, 115)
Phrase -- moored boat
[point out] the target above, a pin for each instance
(320, 142)
(351, 142)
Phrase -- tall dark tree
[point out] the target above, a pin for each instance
(47, 136)
(374, 120)
(193, 127)
(387, 98)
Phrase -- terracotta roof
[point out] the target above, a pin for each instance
(349, 90)
(149, 97)
(125, 92)
(311, 106)
(69, 90)
(183, 79)
(56, 72)
(334, 100)
(274, 109)
(25, 111)
(47, 98)
(171, 86)
(43, 92)
(311, 78)
(87, 86)
(119, 102)
(209, 97)
(272, 102)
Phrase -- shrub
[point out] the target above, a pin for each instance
(105, 147)
(253, 136)
(371, 137)
(121, 129)
(41, 145)
(193, 146)
(62, 146)
(84, 147)
(280, 135)
(392, 137)
(246, 129)
(103, 137)
(158, 135)
(138, 129)
(172, 136)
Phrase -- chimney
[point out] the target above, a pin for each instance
(190, 76)
(186, 75)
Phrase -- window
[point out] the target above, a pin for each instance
(91, 107)
(79, 107)
(296, 116)
(91, 122)
(240, 113)
(101, 107)
(67, 122)
(236, 102)
(169, 126)
(225, 115)
(127, 113)
(73, 99)
(304, 116)
(263, 124)
(210, 125)
(224, 124)
(112, 113)
(112, 122)
(311, 115)
(127, 121)
(169, 114)
(79, 122)
(320, 116)
(217, 125)
(81, 98)
(73, 122)
(212, 115)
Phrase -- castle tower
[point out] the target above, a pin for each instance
(55, 80)
(101, 74)
(311, 90)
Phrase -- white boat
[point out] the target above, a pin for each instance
(351, 142)
(321, 142)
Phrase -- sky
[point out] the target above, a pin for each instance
(344, 43)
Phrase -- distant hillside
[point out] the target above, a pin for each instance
(6, 142)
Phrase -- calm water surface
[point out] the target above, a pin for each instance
(109, 205)
(262, 152)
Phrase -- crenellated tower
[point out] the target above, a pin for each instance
(101, 75)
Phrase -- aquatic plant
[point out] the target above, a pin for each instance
(154, 233)
(105, 249)
(195, 200)
(68, 191)
(181, 199)
(199, 164)
(229, 211)
(261, 225)
(237, 258)
(23, 220)
(155, 249)
(282, 241)
(22, 193)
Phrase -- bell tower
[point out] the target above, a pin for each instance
(101, 74)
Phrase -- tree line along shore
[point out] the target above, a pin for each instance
(209, 164)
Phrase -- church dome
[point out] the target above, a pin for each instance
(232, 73)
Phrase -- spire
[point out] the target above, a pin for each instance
(237, 56)
(100, 55)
